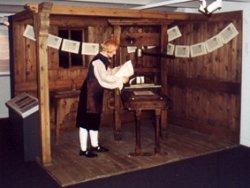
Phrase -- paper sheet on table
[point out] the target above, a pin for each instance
(143, 93)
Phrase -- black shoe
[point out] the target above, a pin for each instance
(99, 149)
(88, 154)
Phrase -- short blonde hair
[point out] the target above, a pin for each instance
(109, 45)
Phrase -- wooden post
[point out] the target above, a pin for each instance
(41, 25)
(164, 42)
(164, 78)
(138, 132)
(117, 110)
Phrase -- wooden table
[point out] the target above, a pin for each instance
(59, 96)
(140, 100)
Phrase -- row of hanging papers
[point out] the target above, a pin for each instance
(182, 51)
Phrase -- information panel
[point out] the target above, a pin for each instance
(24, 104)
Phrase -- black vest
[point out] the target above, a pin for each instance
(94, 89)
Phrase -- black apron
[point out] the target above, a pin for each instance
(91, 99)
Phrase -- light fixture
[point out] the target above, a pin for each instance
(216, 5)
(209, 9)
(203, 6)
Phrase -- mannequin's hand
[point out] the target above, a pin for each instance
(125, 79)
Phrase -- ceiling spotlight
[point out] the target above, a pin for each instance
(216, 5)
(209, 9)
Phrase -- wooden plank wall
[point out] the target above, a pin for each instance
(59, 78)
(206, 90)
(98, 30)
(25, 61)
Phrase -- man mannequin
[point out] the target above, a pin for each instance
(91, 98)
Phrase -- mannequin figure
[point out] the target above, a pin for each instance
(99, 77)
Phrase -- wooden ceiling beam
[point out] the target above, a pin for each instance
(114, 12)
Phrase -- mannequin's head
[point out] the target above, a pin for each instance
(109, 48)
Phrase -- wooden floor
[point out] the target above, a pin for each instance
(69, 168)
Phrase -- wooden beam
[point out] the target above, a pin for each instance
(209, 127)
(163, 42)
(233, 88)
(41, 23)
(134, 22)
(117, 110)
(115, 12)
(21, 16)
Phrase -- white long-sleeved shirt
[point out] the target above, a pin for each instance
(106, 77)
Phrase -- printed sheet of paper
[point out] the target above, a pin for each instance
(181, 51)
(54, 41)
(143, 93)
(198, 49)
(132, 86)
(126, 69)
(213, 43)
(173, 33)
(170, 49)
(228, 33)
(70, 46)
(90, 48)
(131, 49)
(29, 32)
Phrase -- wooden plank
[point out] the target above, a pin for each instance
(53, 84)
(41, 21)
(136, 22)
(163, 49)
(30, 58)
(53, 53)
(117, 100)
(78, 21)
(114, 12)
(210, 85)
(69, 168)
(19, 53)
(209, 127)
(22, 16)
(140, 39)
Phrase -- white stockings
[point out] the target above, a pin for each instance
(83, 135)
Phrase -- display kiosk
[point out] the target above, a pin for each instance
(24, 127)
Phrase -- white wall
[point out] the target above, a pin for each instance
(245, 87)
(5, 95)
(4, 70)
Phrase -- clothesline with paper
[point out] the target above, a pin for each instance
(87, 48)
(202, 48)
(182, 51)
(66, 44)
